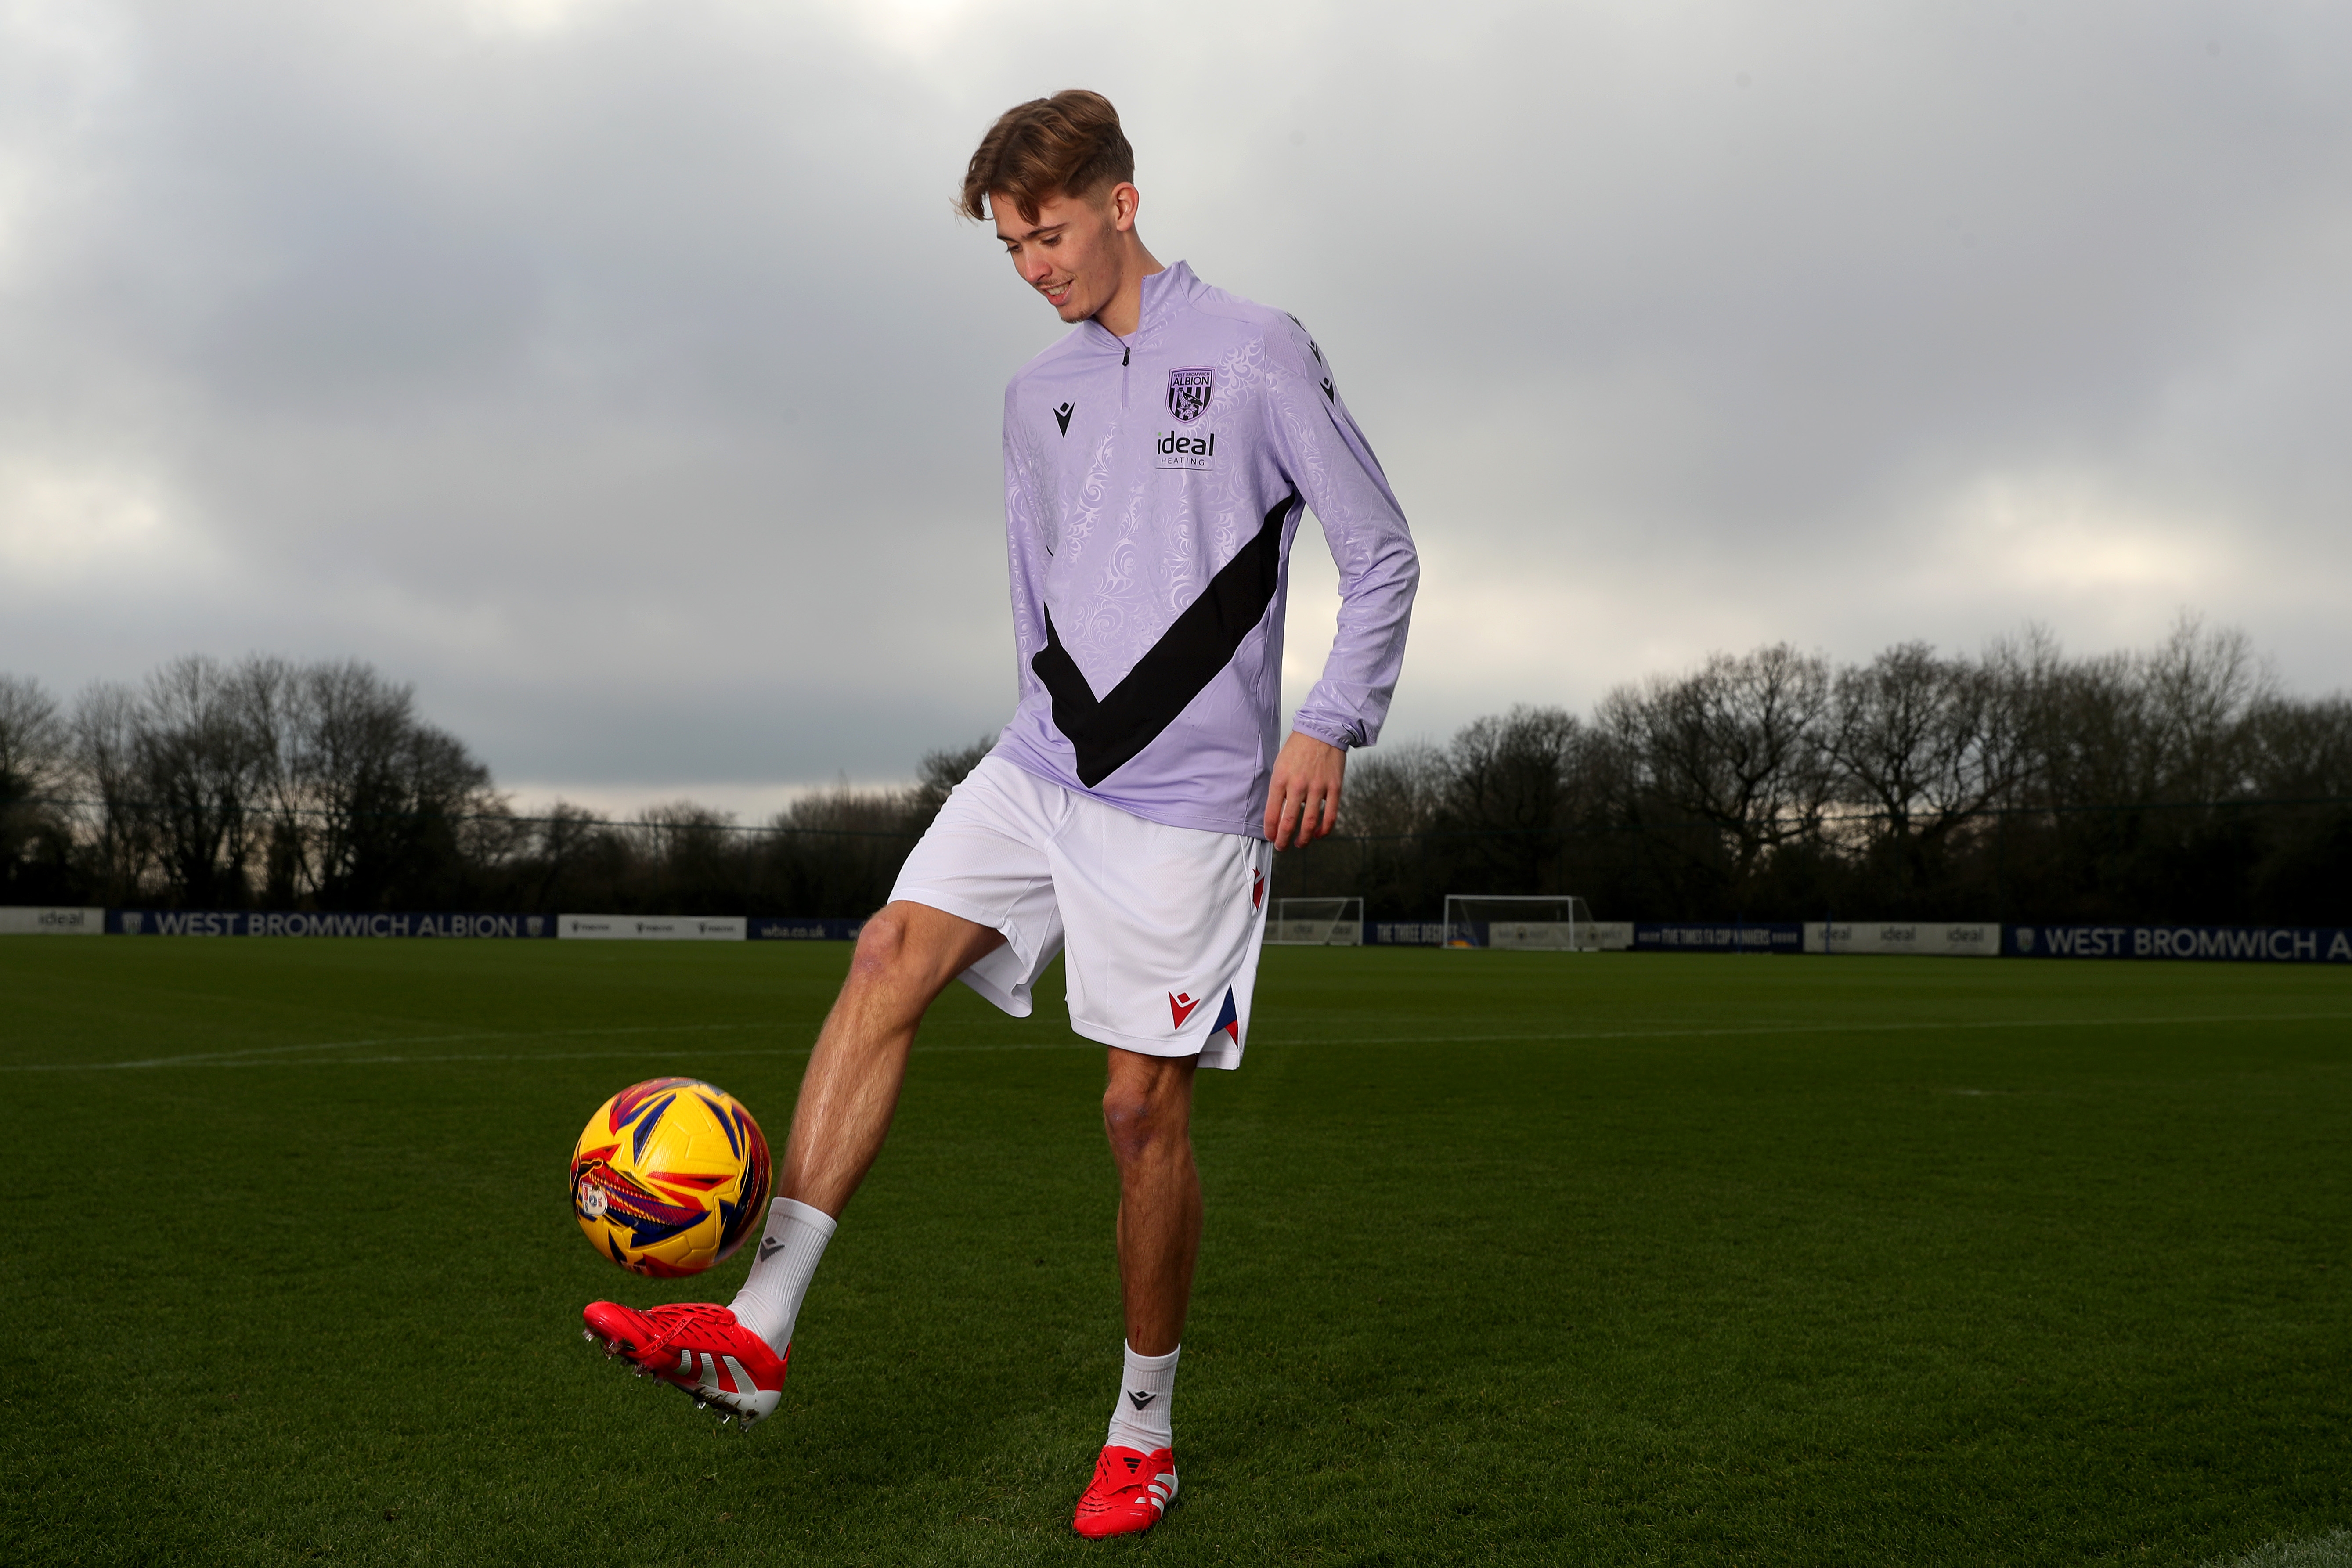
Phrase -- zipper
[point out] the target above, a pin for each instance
(1125, 354)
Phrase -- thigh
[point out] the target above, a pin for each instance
(984, 861)
(916, 950)
(1163, 927)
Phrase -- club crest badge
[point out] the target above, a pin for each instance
(1188, 394)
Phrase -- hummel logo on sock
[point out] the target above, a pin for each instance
(769, 1247)
(1140, 1399)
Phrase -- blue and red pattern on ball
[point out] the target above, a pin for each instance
(636, 1202)
(738, 1219)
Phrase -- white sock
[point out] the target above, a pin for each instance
(770, 1302)
(1138, 1417)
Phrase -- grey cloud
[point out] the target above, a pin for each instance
(627, 385)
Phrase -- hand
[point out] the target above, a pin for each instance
(1304, 803)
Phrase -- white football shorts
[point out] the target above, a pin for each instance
(1162, 924)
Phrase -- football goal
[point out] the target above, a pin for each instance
(1316, 922)
(1561, 922)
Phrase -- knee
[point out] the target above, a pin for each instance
(881, 945)
(1139, 1118)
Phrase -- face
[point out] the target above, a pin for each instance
(1073, 253)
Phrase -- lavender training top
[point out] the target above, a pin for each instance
(1152, 487)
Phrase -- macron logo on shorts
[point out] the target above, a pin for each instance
(1257, 889)
(1180, 1006)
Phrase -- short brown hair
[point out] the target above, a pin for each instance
(1069, 144)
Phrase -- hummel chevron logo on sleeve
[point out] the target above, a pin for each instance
(1062, 416)
(1327, 393)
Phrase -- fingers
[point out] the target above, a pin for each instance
(1302, 802)
(1323, 812)
(1306, 812)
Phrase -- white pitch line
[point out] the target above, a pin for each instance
(248, 1056)
(650, 1051)
(1833, 1029)
(272, 1056)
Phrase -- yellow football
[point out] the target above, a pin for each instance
(671, 1176)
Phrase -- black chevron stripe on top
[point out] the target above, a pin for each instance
(1202, 641)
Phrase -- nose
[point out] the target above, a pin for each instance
(1034, 267)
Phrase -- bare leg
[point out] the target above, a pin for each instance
(1147, 1112)
(906, 957)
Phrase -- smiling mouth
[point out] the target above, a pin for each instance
(1057, 293)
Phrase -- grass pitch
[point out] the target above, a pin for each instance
(1512, 1258)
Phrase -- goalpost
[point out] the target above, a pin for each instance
(1316, 922)
(1560, 922)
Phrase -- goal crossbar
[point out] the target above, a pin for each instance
(1554, 921)
(1316, 922)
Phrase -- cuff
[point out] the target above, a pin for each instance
(1343, 736)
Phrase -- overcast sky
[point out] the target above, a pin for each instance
(615, 372)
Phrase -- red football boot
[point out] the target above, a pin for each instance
(1130, 1491)
(698, 1348)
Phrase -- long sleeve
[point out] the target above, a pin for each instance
(1327, 457)
(1024, 545)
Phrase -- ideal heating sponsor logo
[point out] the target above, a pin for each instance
(1179, 450)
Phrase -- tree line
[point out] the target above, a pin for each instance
(271, 785)
(2175, 782)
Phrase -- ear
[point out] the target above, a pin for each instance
(1125, 201)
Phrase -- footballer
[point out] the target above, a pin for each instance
(1157, 461)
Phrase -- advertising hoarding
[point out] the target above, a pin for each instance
(1918, 938)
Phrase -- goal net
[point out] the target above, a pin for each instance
(1316, 922)
(1561, 923)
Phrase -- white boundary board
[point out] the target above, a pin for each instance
(1917, 938)
(16, 920)
(651, 928)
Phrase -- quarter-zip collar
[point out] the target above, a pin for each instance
(1163, 293)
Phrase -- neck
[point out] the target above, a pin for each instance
(1125, 310)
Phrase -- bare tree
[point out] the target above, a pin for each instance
(1927, 746)
(2301, 751)
(36, 839)
(1739, 744)
(1508, 791)
(199, 755)
(2202, 689)
(1396, 789)
(389, 794)
(106, 767)
(34, 743)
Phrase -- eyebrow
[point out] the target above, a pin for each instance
(1041, 229)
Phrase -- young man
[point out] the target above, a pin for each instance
(1156, 463)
